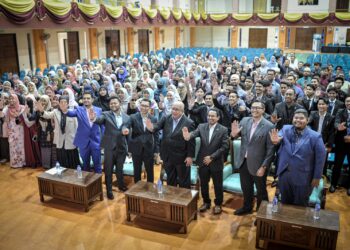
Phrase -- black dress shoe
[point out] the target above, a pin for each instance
(123, 189)
(348, 192)
(243, 211)
(204, 207)
(110, 196)
(217, 210)
(332, 189)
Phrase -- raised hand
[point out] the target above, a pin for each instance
(1, 103)
(341, 126)
(235, 129)
(149, 124)
(39, 107)
(161, 98)
(191, 103)
(274, 118)
(186, 134)
(275, 139)
(125, 131)
(92, 114)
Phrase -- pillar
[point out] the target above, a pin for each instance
(329, 35)
(192, 37)
(177, 37)
(39, 48)
(292, 36)
(93, 43)
(156, 39)
(235, 6)
(234, 36)
(282, 37)
(130, 37)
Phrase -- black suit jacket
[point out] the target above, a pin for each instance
(140, 139)
(327, 131)
(337, 105)
(306, 104)
(173, 147)
(216, 148)
(269, 106)
(113, 139)
(281, 112)
(341, 116)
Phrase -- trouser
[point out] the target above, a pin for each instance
(178, 174)
(291, 193)
(340, 152)
(90, 151)
(148, 160)
(204, 174)
(113, 157)
(4, 148)
(247, 184)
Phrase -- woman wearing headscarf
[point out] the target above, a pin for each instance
(122, 74)
(4, 140)
(108, 83)
(102, 101)
(129, 88)
(44, 84)
(12, 114)
(30, 128)
(72, 103)
(95, 87)
(133, 78)
(272, 63)
(32, 89)
(124, 99)
(64, 133)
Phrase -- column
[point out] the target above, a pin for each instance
(329, 35)
(130, 37)
(156, 39)
(282, 37)
(332, 6)
(235, 6)
(234, 36)
(93, 43)
(192, 37)
(293, 32)
(39, 48)
(284, 6)
(177, 37)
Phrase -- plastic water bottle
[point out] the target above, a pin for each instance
(317, 211)
(275, 205)
(58, 168)
(79, 172)
(159, 186)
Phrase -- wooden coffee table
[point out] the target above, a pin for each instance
(69, 187)
(295, 226)
(175, 205)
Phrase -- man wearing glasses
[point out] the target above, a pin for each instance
(255, 157)
(175, 151)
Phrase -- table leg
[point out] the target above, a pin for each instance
(195, 215)
(128, 217)
(42, 198)
(101, 196)
(185, 228)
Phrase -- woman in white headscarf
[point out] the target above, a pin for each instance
(72, 103)
(124, 99)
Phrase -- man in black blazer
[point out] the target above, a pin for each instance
(342, 143)
(323, 122)
(143, 144)
(114, 142)
(210, 158)
(308, 101)
(334, 104)
(175, 152)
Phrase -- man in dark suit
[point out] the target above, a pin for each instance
(88, 135)
(143, 144)
(323, 122)
(342, 143)
(114, 142)
(301, 159)
(334, 104)
(210, 158)
(308, 101)
(260, 90)
(256, 155)
(175, 152)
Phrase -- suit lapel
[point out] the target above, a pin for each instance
(216, 130)
(112, 117)
(303, 140)
(178, 126)
(257, 130)
(84, 114)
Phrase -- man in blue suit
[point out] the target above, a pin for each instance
(301, 159)
(88, 135)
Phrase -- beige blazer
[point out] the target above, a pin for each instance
(71, 128)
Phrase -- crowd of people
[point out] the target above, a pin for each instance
(153, 107)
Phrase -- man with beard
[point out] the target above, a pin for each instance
(301, 159)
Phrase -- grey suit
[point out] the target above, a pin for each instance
(215, 148)
(260, 152)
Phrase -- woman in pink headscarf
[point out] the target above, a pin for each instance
(12, 114)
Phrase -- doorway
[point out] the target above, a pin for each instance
(143, 41)
(112, 38)
(304, 38)
(257, 38)
(68, 47)
(8, 54)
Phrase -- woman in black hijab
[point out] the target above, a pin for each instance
(102, 101)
